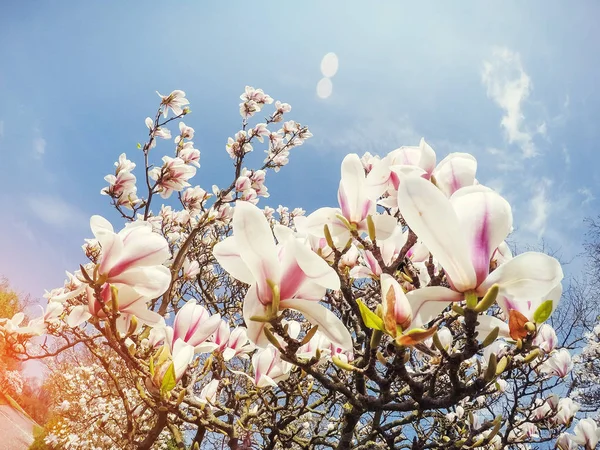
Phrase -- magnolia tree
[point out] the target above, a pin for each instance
(396, 319)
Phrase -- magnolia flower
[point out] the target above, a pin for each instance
(587, 433)
(190, 269)
(565, 442)
(357, 202)
(208, 394)
(189, 154)
(193, 325)
(546, 338)
(455, 171)
(389, 249)
(567, 409)
(269, 368)
(129, 302)
(290, 276)
(463, 232)
(238, 344)
(385, 174)
(133, 257)
(53, 311)
(175, 101)
(172, 176)
(185, 132)
(405, 314)
(559, 364)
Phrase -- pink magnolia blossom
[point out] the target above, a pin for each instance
(175, 101)
(559, 364)
(208, 394)
(566, 410)
(130, 303)
(455, 171)
(173, 176)
(133, 257)
(587, 433)
(546, 338)
(463, 232)
(185, 132)
(565, 442)
(189, 154)
(290, 271)
(269, 368)
(356, 201)
(194, 325)
(414, 309)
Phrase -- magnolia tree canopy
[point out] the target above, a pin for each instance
(397, 318)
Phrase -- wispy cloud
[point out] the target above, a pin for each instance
(39, 147)
(587, 195)
(377, 136)
(509, 86)
(1, 129)
(55, 211)
(540, 208)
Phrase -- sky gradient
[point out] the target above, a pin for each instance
(513, 83)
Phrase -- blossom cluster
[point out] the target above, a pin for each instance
(405, 290)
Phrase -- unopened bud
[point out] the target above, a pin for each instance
(488, 299)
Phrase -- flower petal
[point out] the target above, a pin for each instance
(228, 256)
(486, 323)
(256, 246)
(354, 202)
(253, 307)
(528, 276)
(431, 216)
(427, 303)
(150, 282)
(78, 315)
(486, 219)
(455, 171)
(329, 324)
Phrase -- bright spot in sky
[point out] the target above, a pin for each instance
(324, 87)
(329, 65)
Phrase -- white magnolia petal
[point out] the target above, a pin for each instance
(282, 233)
(528, 276)
(256, 244)
(142, 247)
(228, 256)
(354, 202)
(427, 303)
(329, 324)
(314, 267)
(431, 216)
(145, 315)
(486, 323)
(384, 225)
(78, 315)
(183, 354)
(253, 307)
(485, 219)
(315, 222)
(151, 282)
(455, 171)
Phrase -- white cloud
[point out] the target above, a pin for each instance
(540, 208)
(378, 135)
(1, 129)
(587, 195)
(39, 147)
(56, 212)
(509, 86)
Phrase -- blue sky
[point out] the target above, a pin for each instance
(513, 83)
